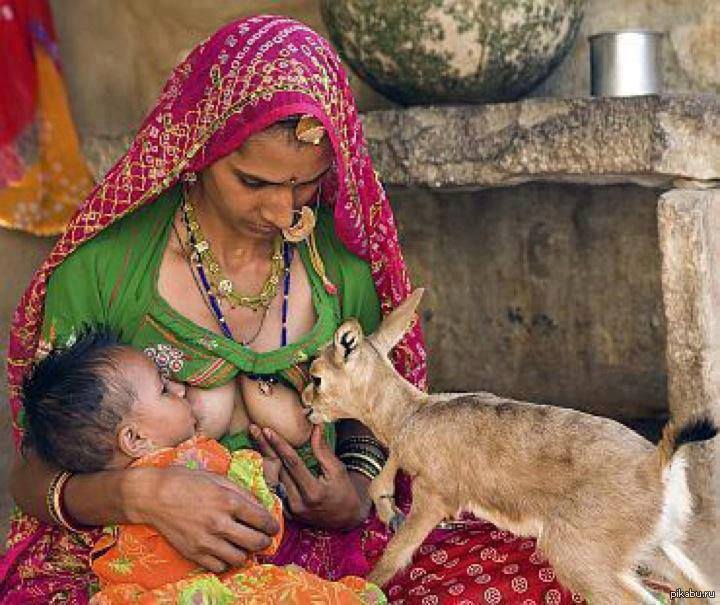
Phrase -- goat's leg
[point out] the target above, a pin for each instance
(603, 589)
(634, 586)
(686, 571)
(382, 492)
(584, 566)
(427, 511)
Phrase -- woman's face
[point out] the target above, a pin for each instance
(256, 188)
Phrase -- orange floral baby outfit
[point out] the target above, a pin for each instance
(136, 565)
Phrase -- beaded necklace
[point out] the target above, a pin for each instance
(220, 285)
(265, 383)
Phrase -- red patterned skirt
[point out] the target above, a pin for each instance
(478, 564)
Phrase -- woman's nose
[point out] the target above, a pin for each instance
(176, 388)
(282, 209)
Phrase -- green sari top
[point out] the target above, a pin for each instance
(112, 280)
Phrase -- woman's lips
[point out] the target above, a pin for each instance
(266, 228)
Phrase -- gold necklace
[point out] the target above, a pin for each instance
(221, 286)
(187, 254)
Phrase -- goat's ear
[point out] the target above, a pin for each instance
(348, 337)
(397, 322)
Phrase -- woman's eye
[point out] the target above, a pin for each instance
(252, 184)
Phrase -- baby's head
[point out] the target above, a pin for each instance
(98, 404)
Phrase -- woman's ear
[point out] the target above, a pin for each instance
(132, 441)
(348, 338)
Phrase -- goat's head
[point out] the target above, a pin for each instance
(345, 376)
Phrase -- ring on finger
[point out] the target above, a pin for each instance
(279, 490)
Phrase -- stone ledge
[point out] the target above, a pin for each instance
(650, 141)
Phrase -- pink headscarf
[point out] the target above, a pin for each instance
(248, 75)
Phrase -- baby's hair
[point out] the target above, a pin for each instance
(74, 401)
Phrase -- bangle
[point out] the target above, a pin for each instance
(376, 453)
(361, 465)
(369, 461)
(362, 471)
(361, 440)
(363, 447)
(54, 501)
(374, 457)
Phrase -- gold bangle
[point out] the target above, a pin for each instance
(353, 463)
(50, 496)
(54, 501)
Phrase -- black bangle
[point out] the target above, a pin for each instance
(365, 440)
(350, 447)
(368, 455)
(361, 470)
(366, 463)
(371, 467)
(365, 446)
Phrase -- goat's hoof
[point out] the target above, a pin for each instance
(397, 520)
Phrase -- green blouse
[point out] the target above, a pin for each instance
(112, 280)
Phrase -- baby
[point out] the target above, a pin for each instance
(99, 405)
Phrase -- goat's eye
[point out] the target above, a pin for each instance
(316, 381)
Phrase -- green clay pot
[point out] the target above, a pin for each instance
(453, 51)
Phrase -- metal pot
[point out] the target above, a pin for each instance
(626, 63)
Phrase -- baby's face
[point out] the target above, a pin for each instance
(161, 411)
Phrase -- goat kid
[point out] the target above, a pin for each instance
(599, 498)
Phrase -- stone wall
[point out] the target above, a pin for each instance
(545, 292)
(21, 255)
(118, 55)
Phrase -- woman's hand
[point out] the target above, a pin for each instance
(334, 500)
(206, 517)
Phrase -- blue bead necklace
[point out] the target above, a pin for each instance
(265, 382)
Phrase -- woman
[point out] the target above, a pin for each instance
(256, 125)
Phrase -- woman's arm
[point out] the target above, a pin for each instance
(206, 517)
(91, 500)
(351, 428)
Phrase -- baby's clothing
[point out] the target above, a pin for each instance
(135, 564)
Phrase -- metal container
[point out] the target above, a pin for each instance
(626, 63)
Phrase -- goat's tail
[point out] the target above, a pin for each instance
(700, 428)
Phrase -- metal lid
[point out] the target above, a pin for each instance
(619, 32)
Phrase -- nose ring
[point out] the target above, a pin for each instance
(301, 228)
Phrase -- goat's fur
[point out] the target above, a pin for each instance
(599, 498)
